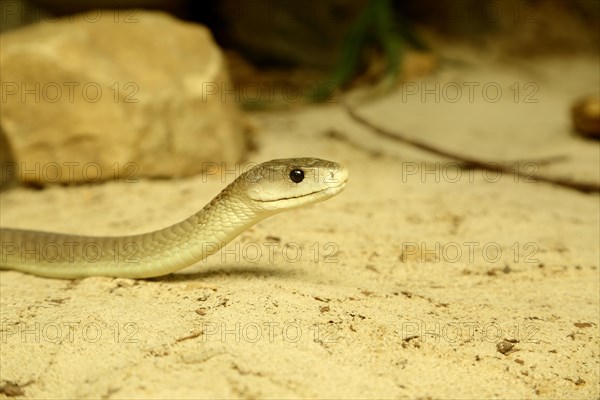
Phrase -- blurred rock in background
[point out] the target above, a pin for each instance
(111, 94)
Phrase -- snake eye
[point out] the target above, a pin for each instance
(296, 175)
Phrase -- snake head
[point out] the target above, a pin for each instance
(282, 184)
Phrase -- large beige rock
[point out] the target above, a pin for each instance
(115, 94)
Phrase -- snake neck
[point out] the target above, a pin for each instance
(219, 222)
(197, 237)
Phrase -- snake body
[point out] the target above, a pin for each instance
(258, 193)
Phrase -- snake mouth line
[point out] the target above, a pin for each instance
(335, 189)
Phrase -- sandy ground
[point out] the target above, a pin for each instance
(401, 287)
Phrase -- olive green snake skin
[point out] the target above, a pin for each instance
(260, 192)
